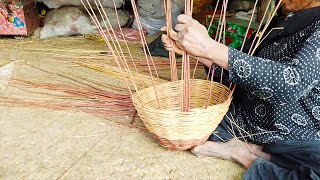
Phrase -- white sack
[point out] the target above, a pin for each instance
(68, 21)
(152, 15)
(55, 4)
(111, 13)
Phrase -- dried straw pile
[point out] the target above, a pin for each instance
(83, 77)
(65, 143)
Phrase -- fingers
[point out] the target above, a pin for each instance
(181, 27)
(173, 35)
(181, 35)
(183, 22)
(164, 38)
(166, 42)
(178, 40)
(169, 46)
(184, 19)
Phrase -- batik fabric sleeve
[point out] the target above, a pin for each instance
(286, 81)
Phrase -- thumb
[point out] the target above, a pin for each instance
(163, 29)
(173, 35)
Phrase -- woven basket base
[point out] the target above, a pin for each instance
(182, 130)
(180, 144)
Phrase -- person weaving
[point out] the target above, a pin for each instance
(276, 107)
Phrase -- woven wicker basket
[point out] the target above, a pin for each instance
(182, 130)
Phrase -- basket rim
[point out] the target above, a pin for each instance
(192, 110)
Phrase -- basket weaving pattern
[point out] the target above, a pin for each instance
(182, 130)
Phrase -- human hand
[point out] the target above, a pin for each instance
(191, 37)
(169, 45)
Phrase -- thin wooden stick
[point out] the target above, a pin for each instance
(223, 24)
(143, 38)
(250, 22)
(260, 25)
(210, 89)
(186, 78)
(96, 21)
(219, 24)
(246, 34)
(266, 26)
(121, 54)
(123, 36)
(195, 68)
(172, 56)
(223, 28)
(146, 49)
(208, 75)
(261, 35)
(213, 15)
(278, 28)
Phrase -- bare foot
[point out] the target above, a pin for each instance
(235, 150)
(213, 149)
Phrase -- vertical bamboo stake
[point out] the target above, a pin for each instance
(172, 56)
(266, 26)
(186, 77)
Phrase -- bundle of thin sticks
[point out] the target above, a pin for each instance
(100, 102)
(220, 37)
(72, 90)
(73, 93)
(127, 66)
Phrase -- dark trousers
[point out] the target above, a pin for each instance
(290, 160)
